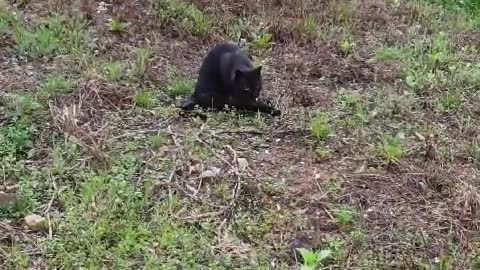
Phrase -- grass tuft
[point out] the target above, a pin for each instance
(145, 99)
(320, 127)
(180, 86)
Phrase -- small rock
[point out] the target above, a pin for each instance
(7, 199)
(242, 164)
(210, 173)
(36, 222)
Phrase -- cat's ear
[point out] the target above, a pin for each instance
(257, 71)
(237, 74)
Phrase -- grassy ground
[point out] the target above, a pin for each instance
(374, 163)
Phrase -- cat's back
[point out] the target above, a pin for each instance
(214, 57)
(222, 49)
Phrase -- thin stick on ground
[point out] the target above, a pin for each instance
(236, 190)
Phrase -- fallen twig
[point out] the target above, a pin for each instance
(236, 190)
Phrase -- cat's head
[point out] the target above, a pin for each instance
(249, 81)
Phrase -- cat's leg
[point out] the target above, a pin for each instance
(265, 108)
(213, 101)
(262, 107)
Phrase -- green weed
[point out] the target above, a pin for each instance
(41, 42)
(55, 85)
(256, 225)
(323, 153)
(473, 151)
(391, 148)
(56, 35)
(21, 105)
(309, 26)
(320, 127)
(347, 46)
(344, 217)
(338, 248)
(199, 24)
(186, 15)
(4, 27)
(16, 144)
(114, 220)
(344, 11)
(450, 101)
(352, 103)
(145, 99)
(235, 28)
(388, 54)
(262, 40)
(16, 139)
(158, 141)
(115, 70)
(117, 25)
(180, 86)
(468, 75)
(312, 260)
(472, 7)
(142, 61)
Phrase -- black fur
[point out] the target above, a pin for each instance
(227, 77)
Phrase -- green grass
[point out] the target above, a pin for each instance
(22, 105)
(309, 26)
(158, 141)
(53, 36)
(262, 40)
(386, 54)
(311, 260)
(185, 15)
(16, 140)
(117, 25)
(320, 127)
(344, 217)
(55, 85)
(472, 7)
(344, 11)
(391, 149)
(115, 70)
(347, 46)
(145, 99)
(180, 86)
(234, 28)
(122, 230)
(142, 61)
(449, 101)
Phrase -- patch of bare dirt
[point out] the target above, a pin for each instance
(398, 208)
(375, 24)
(305, 193)
(96, 98)
(309, 75)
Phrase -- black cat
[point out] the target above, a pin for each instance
(227, 77)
